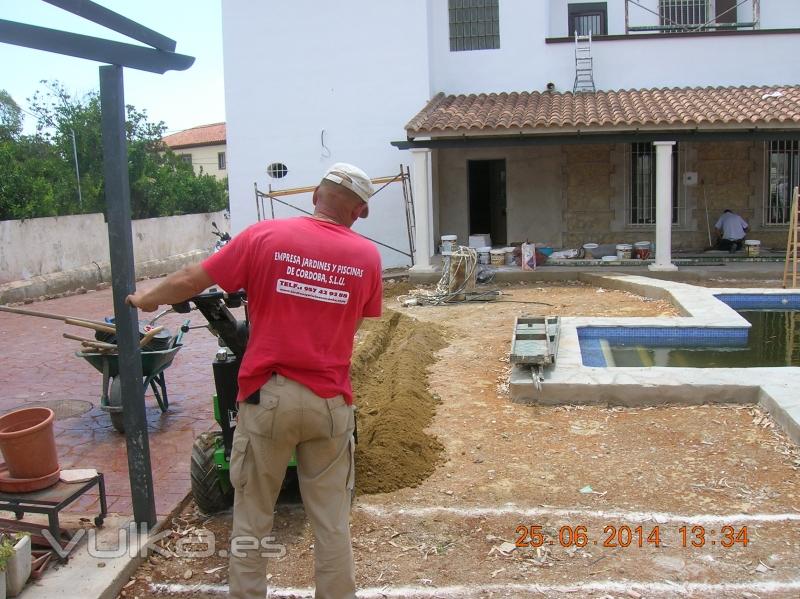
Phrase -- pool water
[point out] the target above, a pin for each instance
(773, 340)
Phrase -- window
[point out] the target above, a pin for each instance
(221, 161)
(277, 170)
(782, 176)
(588, 18)
(187, 158)
(683, 14)
(640, 207)
(474, 24)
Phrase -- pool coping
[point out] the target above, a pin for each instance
(570, 382)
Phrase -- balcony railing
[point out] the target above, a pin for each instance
(678, 16)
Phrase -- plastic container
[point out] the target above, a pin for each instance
(28, 443)
(545, 250)
(624, 251)
(589, 250)
(480, 240)
(484, 255)
(510, 257)
(497, 257)
(449, 243)
(752, 247)
(641, 250)
(610, 259)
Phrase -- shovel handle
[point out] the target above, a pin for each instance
(105, 327)
(149, 335)
(50, 315)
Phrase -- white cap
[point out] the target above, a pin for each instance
(354, 179)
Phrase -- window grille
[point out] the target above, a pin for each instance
(640, 192)
(221, 161)
(782, 175)
(187, 158)
(589, 18)
(474, 24)
(684, 14)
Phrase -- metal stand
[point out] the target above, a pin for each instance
(50, 502)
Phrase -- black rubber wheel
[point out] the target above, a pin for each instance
(206, 489)
(115, 400)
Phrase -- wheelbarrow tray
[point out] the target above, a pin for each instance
(153, 362)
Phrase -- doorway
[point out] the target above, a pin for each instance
(487, 199)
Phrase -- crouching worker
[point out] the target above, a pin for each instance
(309, 282)
(731, 230)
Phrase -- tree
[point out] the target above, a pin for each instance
(38, 178)
(10, 116)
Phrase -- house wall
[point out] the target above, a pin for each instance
(204, 159)
(526, 62)
(332, 82)
(533, 192)
(569, 195)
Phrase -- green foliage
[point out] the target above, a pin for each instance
(6, 552)
(10, 116)
(37, 173)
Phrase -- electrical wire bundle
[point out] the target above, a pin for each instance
(458, 276)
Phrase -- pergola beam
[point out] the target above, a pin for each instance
(92, 48)
(92, 11)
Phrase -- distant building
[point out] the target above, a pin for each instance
(203, 147)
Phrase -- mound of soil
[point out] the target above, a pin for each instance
(390, 384)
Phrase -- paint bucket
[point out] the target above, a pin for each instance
(589, 249)
(624, 251)
(510, 257)
(752, 247)
(480, 240)
(483, 255)
(641, 250)
(497, 257)
(449, 243)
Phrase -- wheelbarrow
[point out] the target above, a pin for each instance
(154, 363)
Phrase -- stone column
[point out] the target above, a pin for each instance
(420, 179)
(663, 259)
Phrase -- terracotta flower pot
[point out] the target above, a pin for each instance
(28, 442)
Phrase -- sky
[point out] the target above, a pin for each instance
(181, 99)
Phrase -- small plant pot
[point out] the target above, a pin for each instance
(28, 442)
(18, 568)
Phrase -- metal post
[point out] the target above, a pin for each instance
(120, 241)
(77, 170)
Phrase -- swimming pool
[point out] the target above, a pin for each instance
(771, 340)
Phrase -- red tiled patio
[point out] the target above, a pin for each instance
(39, 365)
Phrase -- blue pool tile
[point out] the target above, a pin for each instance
(761, 301)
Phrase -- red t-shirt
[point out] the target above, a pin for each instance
(308, 283)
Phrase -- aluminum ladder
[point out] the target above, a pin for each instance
(584, 71)
(792, 245)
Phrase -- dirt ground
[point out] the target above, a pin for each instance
(452, 475)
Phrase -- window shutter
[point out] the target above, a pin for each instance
(726, 11)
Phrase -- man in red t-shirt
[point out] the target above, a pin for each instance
(309, 282)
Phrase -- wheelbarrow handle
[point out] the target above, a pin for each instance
(149, 335)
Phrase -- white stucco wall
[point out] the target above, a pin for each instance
(42, 246)
(525, 62)
(356, 71)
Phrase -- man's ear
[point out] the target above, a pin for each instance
(314, 197)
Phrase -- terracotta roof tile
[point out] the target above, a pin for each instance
(204, 135)
(539, 111)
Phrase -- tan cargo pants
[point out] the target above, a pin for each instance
(288, 417)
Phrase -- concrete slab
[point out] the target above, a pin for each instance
(90, 573)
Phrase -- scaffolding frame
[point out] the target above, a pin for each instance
(671, 26)
(403, 177)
